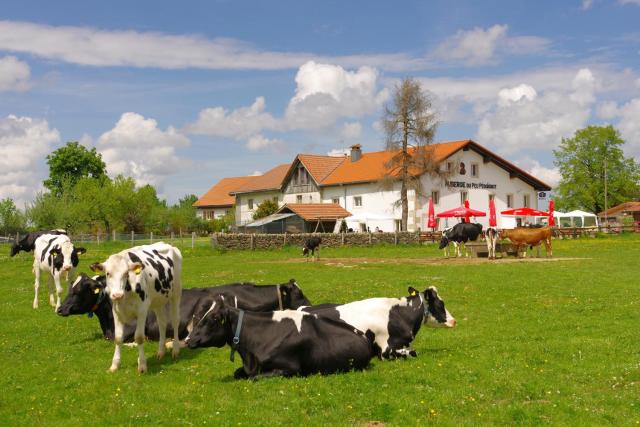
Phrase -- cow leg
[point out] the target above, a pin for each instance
(139, 338)
(272, 373)
(318, 249)
(117, 338)
(36, 285)
(240, 374)
(59, 290)
(51, 288)
(162, 330)
(547, 248)
(175, 324)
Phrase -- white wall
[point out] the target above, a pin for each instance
(210, 213)
(244, 215)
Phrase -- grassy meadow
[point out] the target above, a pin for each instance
(553, 342)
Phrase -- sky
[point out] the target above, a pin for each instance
(182, 94)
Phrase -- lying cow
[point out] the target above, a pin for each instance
(393, 322)
(56, 256)
(311, 245)
(280, 343)
(140, 279)
(491, 236)
(28, 242)
(460, 234)
(88, 296)
(524, 236)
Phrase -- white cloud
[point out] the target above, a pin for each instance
(351, 131)
(515, 94)
(587, 4)
(339, 152)
(326, 92)
(24, 143)
(629, 126)
(540, 122)
(260, 142)
(481, 46)
(238, 124)
(14, 74)
(136, 147)
(607, 110)
(549, 176)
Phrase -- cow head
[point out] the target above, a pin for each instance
(84, 295)
(15, 248)
(211, 326)
(444, 241)
(122, 274)
(65, 256)
(305, 251)
(292, 296)
(436, 315)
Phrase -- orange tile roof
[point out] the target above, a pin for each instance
(320, 166)
(270, 180)
(316, 211)
(371, 166)
(218, 195)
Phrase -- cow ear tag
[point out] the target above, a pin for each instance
(414, 293)
(137, 270)
(96, 291)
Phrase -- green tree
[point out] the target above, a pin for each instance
(11, 219)
(72, 162)
(265, 208)
(582, 161)
(410, 125)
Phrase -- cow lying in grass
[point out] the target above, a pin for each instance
(88, 296)
(524, 236)
(392, 322)
(280, 343)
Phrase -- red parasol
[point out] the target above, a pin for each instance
(461, 212)
(552, 222)
(524, 212)
(431, 222)
(493, 222)
(466, 205)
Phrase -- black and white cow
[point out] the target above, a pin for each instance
(492, 237)
(56, 256)
(393, 322)
(460, 234)
(280, 343)
(87, 296)
(311, 245)
(28, 242)
(137, 280)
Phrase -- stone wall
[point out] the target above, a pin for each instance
(276, 241)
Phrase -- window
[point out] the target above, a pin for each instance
(474, 170)
(435, 196)
(299, 198)
(357, 201)
(363, 227)
(464, 195)
(398, 225)
(335, 200)
(449, 166)
(250, 203)
(275, 199)
(525, 200)
(509, 200)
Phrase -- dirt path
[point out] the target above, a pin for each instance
(341, 262)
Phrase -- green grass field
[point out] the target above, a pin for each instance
(537, 342)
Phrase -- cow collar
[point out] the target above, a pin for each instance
(236, 338)
(279, 297)
(101, 296)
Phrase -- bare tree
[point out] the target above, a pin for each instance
(410, 125)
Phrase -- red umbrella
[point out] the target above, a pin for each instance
(552, 222)
(466, 205)
(524, 212)
(493, 222)
(460, 212)
(431, 222)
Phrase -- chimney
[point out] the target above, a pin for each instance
(356, 152)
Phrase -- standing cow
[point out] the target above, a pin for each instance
(492, 238)
(460, 234)
(524, 236)
(138, 279)
(311, 245)
(28, 242)
(393, 322)
(56, 256)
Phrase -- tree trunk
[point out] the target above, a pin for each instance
(405, 175)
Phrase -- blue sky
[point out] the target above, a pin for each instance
(181, 96)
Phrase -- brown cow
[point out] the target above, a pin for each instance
(528, 237)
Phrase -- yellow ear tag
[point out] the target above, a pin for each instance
(96, 291)
(414, 293)
(137, 270)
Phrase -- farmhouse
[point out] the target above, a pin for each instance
(354, 182)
